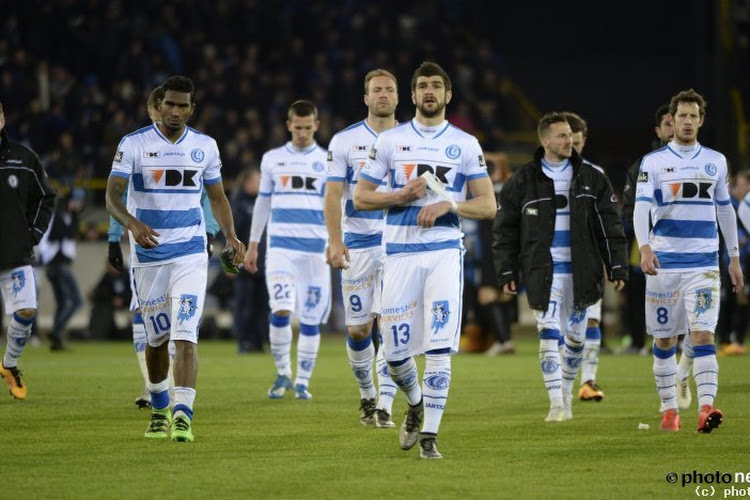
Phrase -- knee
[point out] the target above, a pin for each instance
(591, 323)
(359, 332)
(702, 338)
(282, 312)
(26, 314)
(666, 343)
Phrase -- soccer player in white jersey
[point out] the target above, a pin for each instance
(558, 228)
(589, 390)
(292, 186)
(423, 269)
(683, 186)
(164, 167)
(358, 252)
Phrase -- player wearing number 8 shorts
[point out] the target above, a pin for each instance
(422, 274)
(683, 188)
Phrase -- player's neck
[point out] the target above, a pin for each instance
(171, 135)
(380, 123)
(685, 144)
(430, 122)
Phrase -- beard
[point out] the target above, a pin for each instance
(431, 113)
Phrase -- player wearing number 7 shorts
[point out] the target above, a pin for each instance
(359, 253)
(683, 188)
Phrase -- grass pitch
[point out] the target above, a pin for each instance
(79, 435)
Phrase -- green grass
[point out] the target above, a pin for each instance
(78, 435)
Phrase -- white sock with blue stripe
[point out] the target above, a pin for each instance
(386, 386)
(404, 374)
(139, 344)
(665, 371)
(184, 398)
(706, 373)
(435, 384)
(280, 338)
(591, 348)
(19, 332)
(571, 363)
(308, 345)
(159, 394)
(361, 354)
(549, 359)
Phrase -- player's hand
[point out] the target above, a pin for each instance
(114, 255)
(143, 234)
(339, 256)
(414, 190)
(510, 288)
(239, 250)
(649, 262)
(210, 244)
(430, 213)
(251, 258)
(735, 274)
(619, 285)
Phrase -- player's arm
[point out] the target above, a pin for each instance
(643, 198)
(222, 211)
(40, 202)
(114, 235)
(261, 214)
(611, 237)
(339, 254)
(367, 198)
(727, 219)
(482, 204)
(506, 235)
(142, 233)
(212, 227)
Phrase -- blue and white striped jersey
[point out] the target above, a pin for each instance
(165, 187)
(561, 175)
(295, 180)
(347, 154)
(684, 184)
(407, 151)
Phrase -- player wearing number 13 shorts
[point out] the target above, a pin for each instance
(422, 273)
(683, 187)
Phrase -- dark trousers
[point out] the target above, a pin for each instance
(67, 296)
(250, 308)
(635, 307)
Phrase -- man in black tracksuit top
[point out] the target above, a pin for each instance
(558, 226)
(26, 202)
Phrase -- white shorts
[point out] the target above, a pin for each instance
(560, 314)
(299, 282)
(133, 295)
(421, 302)
(360, 285)
(19, 289)
(678, 303)
(594, 311)
(171, 297)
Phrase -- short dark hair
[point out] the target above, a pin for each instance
(689, 95)
(659, 115)
(302, 108)
(156, 95)
(179, 83)
(547, 120)
(430, 69)
(577, 124)
(378, 72)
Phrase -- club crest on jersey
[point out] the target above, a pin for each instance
(318, 166)
(453, 151)
(188, 306)
(197, 155)
(13, 181)
(703, 300)
(440, 314)
(710, 169)
(312, 299)
(18, 279)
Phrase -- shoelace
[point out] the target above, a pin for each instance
(181, 424)
(368, 407)
(412, 420)
(158, 422)
(428, 444)
(383, 415)
(16, 373)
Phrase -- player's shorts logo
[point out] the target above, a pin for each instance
(13, 181)
(440, 314)
(18, 279)
(703, 300)
(453, 151)
(197, 155)
(577, 316)
(437, 382)
(710, 169)
(318, 166)
(188, 306)
(313, 297)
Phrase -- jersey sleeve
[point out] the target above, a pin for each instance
(474, 165)
(212, 173)
(376, 167)
(721, 194)
(124, 160)
(644, 186)
(266, 177)
(337, 164)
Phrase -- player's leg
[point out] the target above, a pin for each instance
(684, 366)
(139, 344)
(573, 322)
(665, 321)
(19, 292)
(701, 302)
(282, 292)
(443, 291)
(314, 306)
(548, 324)
(589, 390)
(386, 387)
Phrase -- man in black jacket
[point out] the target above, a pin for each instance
(26, 201)
(556, 224)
